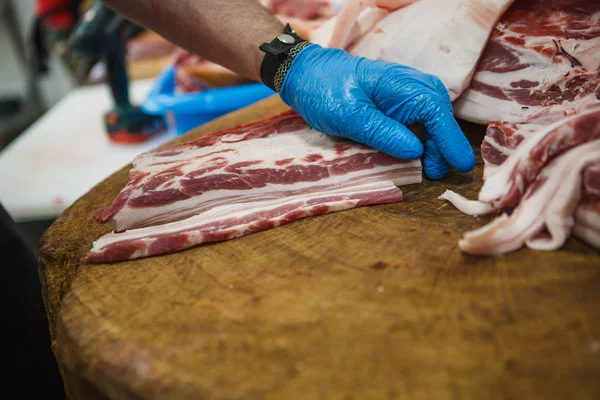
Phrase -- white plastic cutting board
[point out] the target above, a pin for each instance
(65, 153)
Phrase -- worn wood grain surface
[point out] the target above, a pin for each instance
(371, 303)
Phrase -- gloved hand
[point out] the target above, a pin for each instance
(372, 102)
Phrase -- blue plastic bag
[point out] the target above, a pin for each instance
(187, 111)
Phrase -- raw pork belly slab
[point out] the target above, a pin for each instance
(541, 64)
(231, 221)
(242, 180)
(271, 159)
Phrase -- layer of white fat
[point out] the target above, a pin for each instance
(239, 210)
(561, 208)
(470, 207)
(587, 226)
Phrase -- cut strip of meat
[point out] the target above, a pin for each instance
(539, 55)
(505, 186)
(470, 207)
(271, 159)
(231, 221)
(456, 34)
(549, 202)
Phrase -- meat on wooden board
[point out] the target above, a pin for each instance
(243, 180)
(539, 65)
(276, 157)
(538, 86)
(233, 220)
(545, 217)
(529, 142)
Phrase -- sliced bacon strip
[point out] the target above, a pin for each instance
(231, 221)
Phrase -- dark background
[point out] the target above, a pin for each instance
(30, 366)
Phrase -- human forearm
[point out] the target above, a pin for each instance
(225, 32)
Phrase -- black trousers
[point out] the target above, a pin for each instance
(29, 364)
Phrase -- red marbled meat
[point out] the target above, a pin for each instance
(251, 168)
(540, 54)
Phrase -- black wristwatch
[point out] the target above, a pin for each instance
(279, 55)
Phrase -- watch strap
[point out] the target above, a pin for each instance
(279, 55)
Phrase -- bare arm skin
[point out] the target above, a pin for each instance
(227, 32)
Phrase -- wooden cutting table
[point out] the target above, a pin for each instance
(371, 303)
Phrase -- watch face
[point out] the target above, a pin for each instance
(287, 39)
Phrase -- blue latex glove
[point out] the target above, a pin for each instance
(372, 102)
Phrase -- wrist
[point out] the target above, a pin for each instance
(278, 57)
(257, 54)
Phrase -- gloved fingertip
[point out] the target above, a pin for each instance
(467, 163)
(435, 166)
(435, 171)
(435, 175)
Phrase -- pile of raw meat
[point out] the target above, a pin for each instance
(528, 69)
(537, 86)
